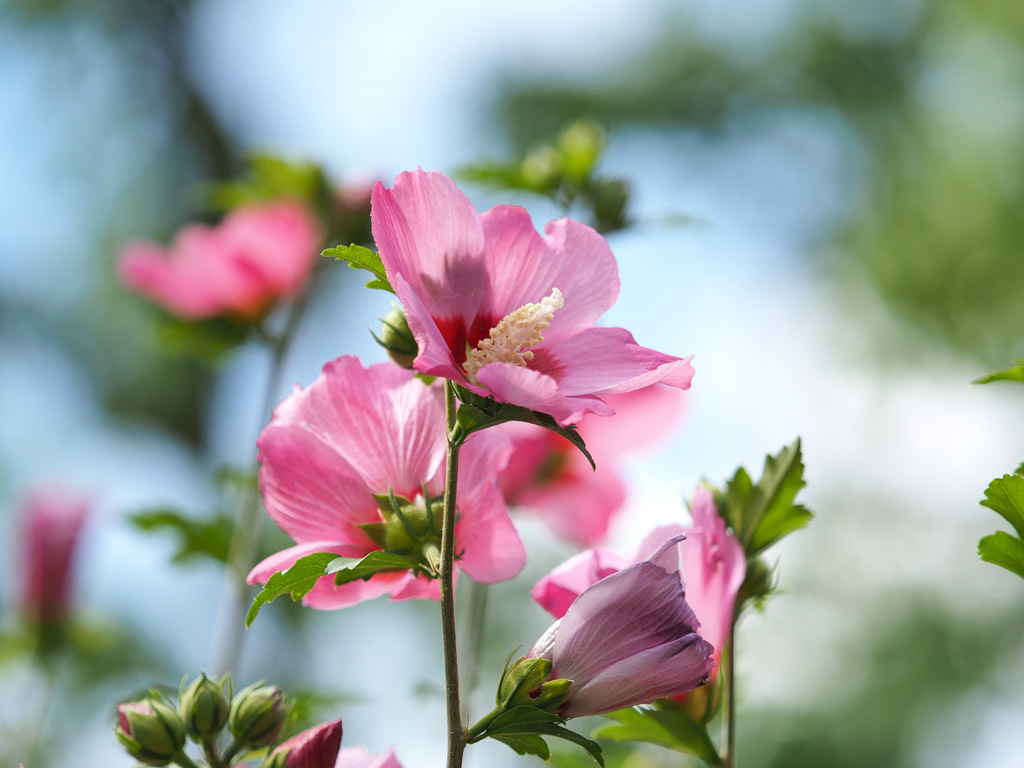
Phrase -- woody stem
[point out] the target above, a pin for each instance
(456, 733)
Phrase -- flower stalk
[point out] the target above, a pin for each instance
(729, 761)
(456, 733)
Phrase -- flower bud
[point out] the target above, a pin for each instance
(257, 715)
(526, 682)
(204, 708)
(316, 748)
(542, 169)
(581, 145)
(611, 196)
(397, 339)
(150, 731)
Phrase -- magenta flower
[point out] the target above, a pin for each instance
(628, 639)
(314, 748)
(500, 310)
(358, 757)
(712, 561)
(357, 432)
(257, 254)
(547, 475)
(51, 525)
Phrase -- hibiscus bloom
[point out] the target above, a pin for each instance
(549, 476)
(357, 433)
(628, 639)
(51, 526)
(504, 312)
(711, 562)
(256, 255)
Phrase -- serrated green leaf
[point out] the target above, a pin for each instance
(666, 726)
(209, 537)
(1003, 550)
(347, 569)
(1005, 495)
(526, 744)
(358, 257)
(1014, 373)
(477, 412)
(296, 581)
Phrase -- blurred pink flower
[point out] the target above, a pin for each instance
(257, 254)
(356, 432)
(50, 527)
(628, 639)
(547, 475)
(314, 748)
(358, 757)
(504, 312)
(712, 570)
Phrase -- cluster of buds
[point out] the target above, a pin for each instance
(155, 732)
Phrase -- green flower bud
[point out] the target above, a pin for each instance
(257, 715)
(526, 682)
(397, 339)
(542, 169)
(611, 197)
(204, 708)
(581, 144)
(150, 731)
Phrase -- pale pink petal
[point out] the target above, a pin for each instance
(149, 271)
(358, 757)
(309, 490)
(601, 361)
(579, 505)
(523, 268)
(537, 391)
(642, 418)
(411, 587)
(428, 232)
(489, 547)
(655, 540)
(670, 669)
(556, 591)
(533, 449)
(278, 240)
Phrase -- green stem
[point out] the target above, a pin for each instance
(210, 750)
(456, 734)
(184, 760)
(476, 733)
(230, 752)
(248, 529)
(729, 761)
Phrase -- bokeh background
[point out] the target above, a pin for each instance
(825, 209)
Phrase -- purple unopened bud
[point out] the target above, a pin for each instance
(150, 731)
(316, 748)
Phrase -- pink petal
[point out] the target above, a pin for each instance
(411, 587)
(429, 233)
(279, 241)
(654, 541)
(537, 391)
(578, 506)
(490, 547)
(642, 418)
(358, 757)
(314, 748)
(601, 361)
(435, 356)
(523, 268)
(556, 591)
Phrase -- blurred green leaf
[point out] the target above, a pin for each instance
(206, 537)
(477, 412)
(1015, 373)
(270, 178)
(1003, 550)
(1005, 495)
(664, 724)
(359, 257)
(204, 340)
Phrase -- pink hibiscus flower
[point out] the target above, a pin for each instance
(257, 254)
(358, 757)
(628, 639)
(712, 570)
(547, 475)
(355, 433)
(504, 312)
(51, 526)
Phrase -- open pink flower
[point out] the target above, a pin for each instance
(314, 748)
(51, 524)
(357, 432)
(628, 639)
(712, 562)
(257, 254)
(549, 476)
(358, 757)
(499, 309)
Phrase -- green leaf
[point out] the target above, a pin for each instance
(1005, 495)
(353, 569)
(1003, 550)
(206, 341)
(526, 744)
(197, 538)
(477, 412)
(525, 724)
(1015, 373)
(762, 514)
(296, 581)
(358, 257)
(663, 724)
(270, 178)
